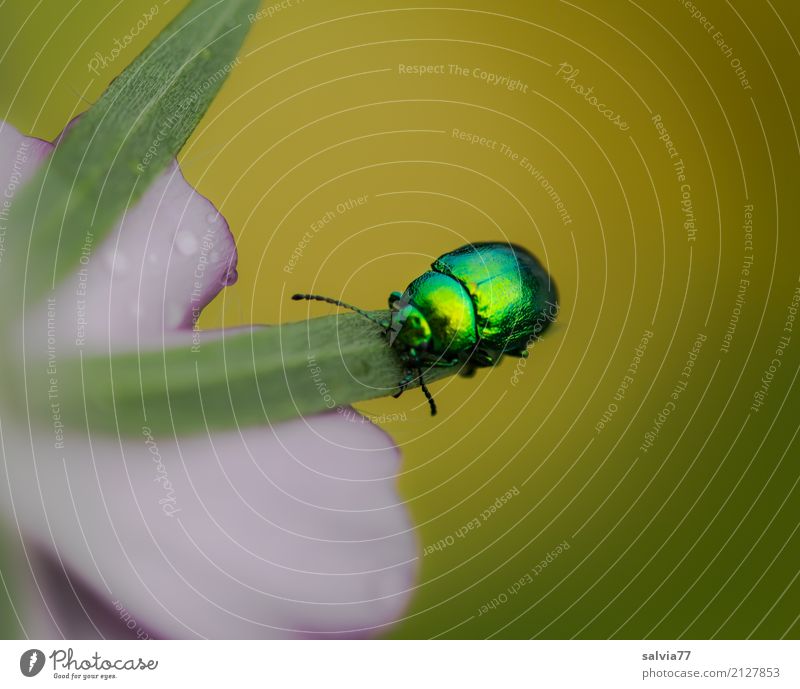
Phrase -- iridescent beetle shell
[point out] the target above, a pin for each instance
(480, 301)
(476, 304)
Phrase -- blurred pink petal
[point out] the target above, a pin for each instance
(291, 531)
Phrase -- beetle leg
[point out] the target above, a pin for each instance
(427, 392)
(523, 353)
(467, 371)
(403, 384)
(482, 359)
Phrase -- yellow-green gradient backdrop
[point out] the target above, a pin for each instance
(676, 518)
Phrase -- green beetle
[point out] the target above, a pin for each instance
(478, 303)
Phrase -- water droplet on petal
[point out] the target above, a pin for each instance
(230, 277)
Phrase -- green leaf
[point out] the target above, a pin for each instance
(115, 150)
(259, 375)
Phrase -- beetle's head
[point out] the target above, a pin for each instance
(408, 327)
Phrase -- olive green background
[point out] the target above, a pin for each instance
(697, 536)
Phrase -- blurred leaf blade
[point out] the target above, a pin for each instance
(250, 376)
(108, 158)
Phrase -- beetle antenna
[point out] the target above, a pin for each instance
(344, 305)
(427, 392)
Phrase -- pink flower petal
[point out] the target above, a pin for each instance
(166, 259)
(288, 531)
(20, 157)
(272, 533)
